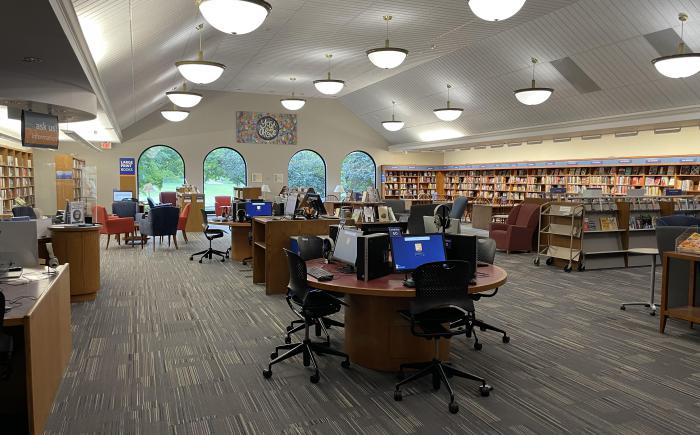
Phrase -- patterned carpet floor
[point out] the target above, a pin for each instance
(177, 347)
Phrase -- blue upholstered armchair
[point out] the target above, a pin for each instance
(159, 222)
(125, 208)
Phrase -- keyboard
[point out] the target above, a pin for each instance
(319, 274)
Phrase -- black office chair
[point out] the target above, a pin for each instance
(486, 252)
(441, 299)
(6, 344)
(210, 234)
(310, 248)
(314, 305)
(23, 211)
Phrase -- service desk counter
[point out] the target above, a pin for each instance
(80, 247)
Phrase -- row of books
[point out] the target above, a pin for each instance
(15, 192)
(11, 171)
(642, 221)
(9, 160)
(14, 182)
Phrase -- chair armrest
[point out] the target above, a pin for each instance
(498, 226)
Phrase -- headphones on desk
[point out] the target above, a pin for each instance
(240, 214)
(442, 217)
(53, 260)
(327, 248)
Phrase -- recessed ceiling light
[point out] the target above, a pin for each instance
(32, 59)
(682, 64)
(387, 57)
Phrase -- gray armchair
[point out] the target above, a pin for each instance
(125, 208)
(459, 207)
(159, 222)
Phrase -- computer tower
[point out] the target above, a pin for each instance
(373, 256)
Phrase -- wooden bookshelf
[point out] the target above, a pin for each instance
(16, 177)
(516, 182)
(68, 179)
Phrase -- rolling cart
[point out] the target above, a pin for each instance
(561, 234)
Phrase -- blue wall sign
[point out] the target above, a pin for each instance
(127, 166)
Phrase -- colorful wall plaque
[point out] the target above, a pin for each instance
(263, 127)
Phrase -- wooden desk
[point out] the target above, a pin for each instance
(680, 288)
(376, 336)
(79, 246)
(240, 248)
(41, 330)
(270, 236)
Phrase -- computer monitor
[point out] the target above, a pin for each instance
(258, 208)
(290, 206)
(121, 195)
(346, 246)
(461, 247)
(314, 201)
(409, 252)
(18, 244)
(310, 247)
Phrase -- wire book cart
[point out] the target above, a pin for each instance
(561, 235)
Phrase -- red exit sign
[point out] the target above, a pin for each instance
(106, 145)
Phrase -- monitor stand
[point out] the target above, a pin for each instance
(408, 282)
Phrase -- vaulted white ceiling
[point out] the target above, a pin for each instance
(140, 41)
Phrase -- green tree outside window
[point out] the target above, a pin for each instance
(358, 172)
(307, 169)
(224, 169)
(160, 169)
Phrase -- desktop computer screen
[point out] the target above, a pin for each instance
(120, 195)
(18, 244)
(255, 209)
(410, 252)
(346, 246)
(290, 206)
(461, 247)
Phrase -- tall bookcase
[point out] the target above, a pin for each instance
(16, 177)
(68, 179)
(514, 182)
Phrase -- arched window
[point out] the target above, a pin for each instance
(224, 169)
(307, 169)
(160, 169)
(358, 172)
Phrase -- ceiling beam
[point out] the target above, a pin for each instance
(681, 116)
(71, 27)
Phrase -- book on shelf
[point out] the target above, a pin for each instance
(608, 223)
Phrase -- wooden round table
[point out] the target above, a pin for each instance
(376, 336)
(79, 246)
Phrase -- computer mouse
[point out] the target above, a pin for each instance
(326, 278)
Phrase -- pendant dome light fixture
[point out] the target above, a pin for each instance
(236, 17)
(495, 10)
(448, 113)
(682, 64)
(184, 98)
(393, 125)
(533, 96)
(329, 86)
(175, 114)
(293, 103)
(200, 71)
(387, 57)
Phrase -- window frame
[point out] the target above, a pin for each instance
(204, 160)
(138, 164)
(374, 162)
(325, 169)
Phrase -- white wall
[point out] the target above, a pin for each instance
(324, 125)
(646, 143)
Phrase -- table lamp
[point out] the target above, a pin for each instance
(339, 190)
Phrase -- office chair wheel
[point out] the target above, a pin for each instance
(485, 390)
(653, 313)
(623, 308)
(273, 355)
(314, 378)
(345, 364)
(267, 373)
(454, 408)
(287, 340)
(289, 328)
(478, 346)
(506, 339)
(191, 257)
(398, 396)
(200, 261)
(223, 260)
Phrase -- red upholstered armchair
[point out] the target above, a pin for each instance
(112, 224)
(182, 221)
(519, 230)
(168, 198)
(220, 202)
